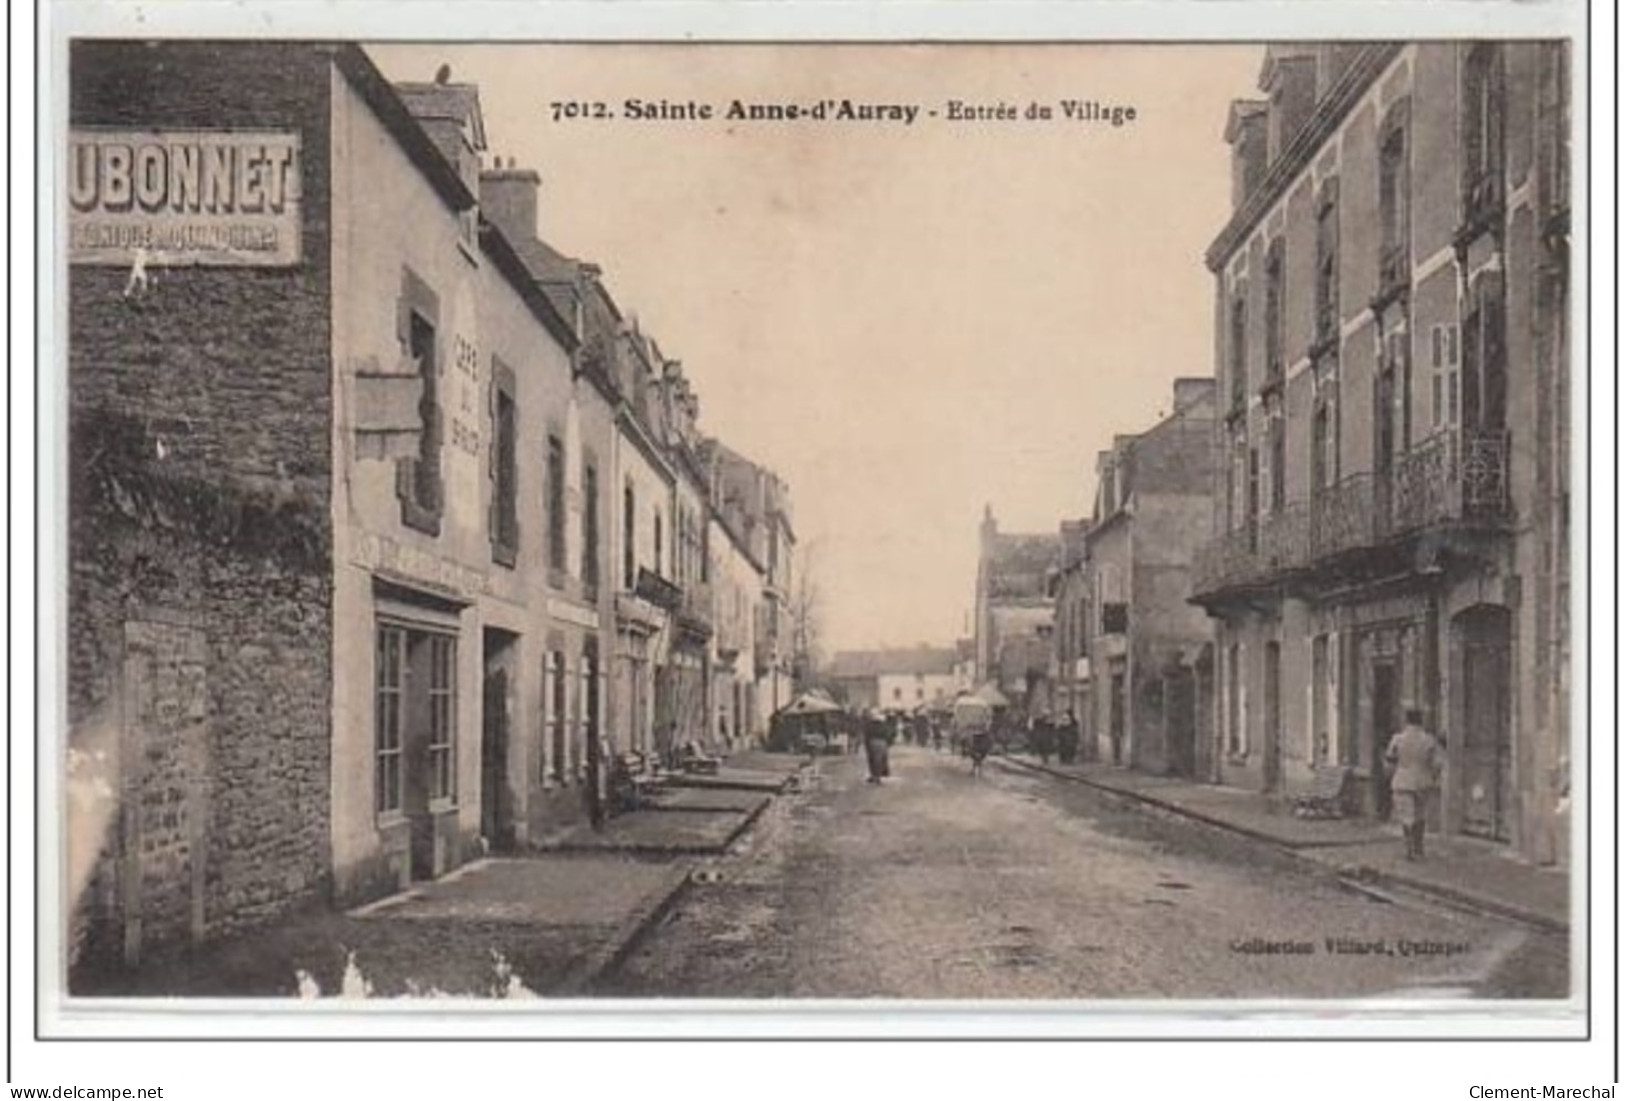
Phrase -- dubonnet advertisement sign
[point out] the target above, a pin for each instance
(183, 197)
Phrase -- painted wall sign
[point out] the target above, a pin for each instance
(183, 197)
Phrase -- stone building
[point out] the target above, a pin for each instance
(1070, 585)
(365, 528)
(1144, 642)
(898, 679)
(736, 581)
(756, 503)
(302, 592)
(1015, 612)
(1391, 506)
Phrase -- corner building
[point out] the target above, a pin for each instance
(327, 524)
(1391, 497)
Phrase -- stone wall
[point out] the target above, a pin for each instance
(200, 578)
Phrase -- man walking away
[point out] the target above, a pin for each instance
(1413, 758)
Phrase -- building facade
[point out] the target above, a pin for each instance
(1144, 642)
(903, 679)
(1071, 671)
(1015, 613)
(372, 557)
(1392, 498)
(736, 578)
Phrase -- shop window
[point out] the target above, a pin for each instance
(415, 702)
(389, 715)
(442, 716)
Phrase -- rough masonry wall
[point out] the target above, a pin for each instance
(199, 464)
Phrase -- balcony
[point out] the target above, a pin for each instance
(1256, 554)
(696, 615)
(657, 590)
(1450, 481)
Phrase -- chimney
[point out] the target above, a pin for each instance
(508, 198)
(1289, 81)
(1247, 131)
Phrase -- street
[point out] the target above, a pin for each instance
(1021, 885)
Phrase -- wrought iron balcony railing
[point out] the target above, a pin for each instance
(1254, 554)
(1450, 480)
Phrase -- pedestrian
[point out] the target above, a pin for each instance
(1414, 759)
(1043, 738)
(877, 738)
(1066, 741)
(936, 735)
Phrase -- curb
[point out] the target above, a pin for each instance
(1310, 853)
(628, 934)
(631, 932)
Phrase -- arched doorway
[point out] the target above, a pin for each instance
(1482, 637)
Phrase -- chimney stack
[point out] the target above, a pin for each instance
(508, 198)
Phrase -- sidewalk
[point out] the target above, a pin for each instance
(543, 924)
(1464, 871)
(514, 927)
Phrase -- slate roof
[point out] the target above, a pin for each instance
(907, 661)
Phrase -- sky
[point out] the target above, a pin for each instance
(907, 322)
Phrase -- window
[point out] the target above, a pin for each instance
(659, 550)
(554, 767)
(442, 715)
(1482, 132)
(389, 718)
(1277, 473)
(897, 694)
(1320, 690)
(1396, 380)
(589, 529)
(1235, 743)
(415, 703)
(1446, 363)
(504, 519)
(1274, 315)
(555, 505)
(1328, 308)
(1483, 376)
(1254, 502)
(417, 477)
(1238, 350)
(1320, 436)
(629, 539)
(1393, 202)
(1114, 618)
(590, 703)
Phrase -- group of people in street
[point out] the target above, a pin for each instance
(1048, 738)
(1414, 757)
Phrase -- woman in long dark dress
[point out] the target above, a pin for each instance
(877, 745)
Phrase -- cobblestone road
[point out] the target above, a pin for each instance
(937, 885)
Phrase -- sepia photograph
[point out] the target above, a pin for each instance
(1056, 526)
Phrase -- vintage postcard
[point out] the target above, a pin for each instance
(1075, 528)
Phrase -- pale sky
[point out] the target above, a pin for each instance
(906, 322)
